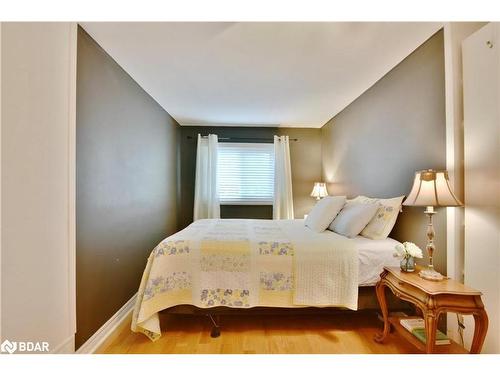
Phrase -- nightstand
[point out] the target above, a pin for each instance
(432, 298)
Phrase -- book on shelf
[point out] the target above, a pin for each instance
(441, 338)
(417, 328)
(413, 323)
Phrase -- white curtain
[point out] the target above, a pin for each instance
(206, 193)
(283, 199)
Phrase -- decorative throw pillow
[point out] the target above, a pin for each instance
(352, 219)
(382, 223)
(323, 213)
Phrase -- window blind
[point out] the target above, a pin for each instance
(246, 173)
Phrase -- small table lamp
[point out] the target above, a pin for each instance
(431, 189)
(319, 190)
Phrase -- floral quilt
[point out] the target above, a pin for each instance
(242, 264)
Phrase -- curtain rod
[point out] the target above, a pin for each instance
(244, 138)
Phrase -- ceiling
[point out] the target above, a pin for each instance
(258, 74)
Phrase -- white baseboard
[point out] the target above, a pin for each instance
(98, 338)
(66, 347)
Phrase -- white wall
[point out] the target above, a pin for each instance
(454, 34)
(481, 65)
(38, 67)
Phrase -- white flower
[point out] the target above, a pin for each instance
(413, 249)
(408, 249)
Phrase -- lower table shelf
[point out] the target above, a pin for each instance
(452, 348)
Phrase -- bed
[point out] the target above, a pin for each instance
(243, 264)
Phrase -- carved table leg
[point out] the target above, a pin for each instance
(380, 290)
(480, 329)
(430, 330)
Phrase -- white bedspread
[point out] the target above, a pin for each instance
(326, 267)
(373, 255)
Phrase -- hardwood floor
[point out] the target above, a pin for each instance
(345, 333)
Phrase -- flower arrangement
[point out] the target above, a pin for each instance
(408, 251)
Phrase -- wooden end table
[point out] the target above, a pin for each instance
(432, 298)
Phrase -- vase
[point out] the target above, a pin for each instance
(407, 264)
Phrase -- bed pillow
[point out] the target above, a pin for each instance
(382, 223)
(353, 218)
(323, 213)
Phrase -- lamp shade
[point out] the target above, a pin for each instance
(319, 190)
(431, 188)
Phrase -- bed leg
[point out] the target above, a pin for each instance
(215, 332)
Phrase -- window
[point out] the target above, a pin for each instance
(246, 173)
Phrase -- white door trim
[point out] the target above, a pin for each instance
(72, 176)
(1, 340)
(66, 347)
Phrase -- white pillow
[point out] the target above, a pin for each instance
(382, 223)
(352, 219)
(323, 213)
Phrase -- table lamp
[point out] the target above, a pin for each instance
(431, 189)
(319, 190)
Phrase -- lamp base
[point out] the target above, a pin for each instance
(430, 274)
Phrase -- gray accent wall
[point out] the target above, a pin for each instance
(375, 145)
(126, 184)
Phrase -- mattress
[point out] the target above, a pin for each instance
(373, 255)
